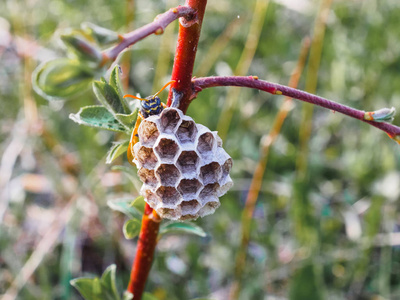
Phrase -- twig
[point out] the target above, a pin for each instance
(155, 27)
(277, 89)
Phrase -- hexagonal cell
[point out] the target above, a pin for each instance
(189, 188)
(147, 177)
(188, 217)
(219, 140)
(168, 213)
(225, 185)
(169, 196)
(148, 133)
(187, 131)
(206, 143)
(146, 157)
(169, 120)
(168, 174)
(151, 198)
(209, 208)
(208, 192)
(187, 162)
(190, 207)
(210, 173)
(167, 150)
(226, 167)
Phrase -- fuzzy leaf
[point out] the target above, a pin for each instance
(81, 47)
(125, 206)
(96, 288)
(116, 150)
(107, 96)
(128, 120)
(97, 116)
(60, 79)
(108, 281)
(131, 228)
(179, 228)
(103, 35)
(89, 288)
(139, 204)
(115, 82)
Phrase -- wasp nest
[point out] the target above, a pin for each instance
(182, 165)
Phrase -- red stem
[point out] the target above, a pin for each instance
(273, 88)
(189, 32)
(185, 54)
(144, 253)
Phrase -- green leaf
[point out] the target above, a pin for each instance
(97, 116)
(107, 96)
(131, 228)
(103, 35)
(96, 288)
(115, 82)
(80, 46)
(128, 120)
(60, 79)
(116, 150)
(108, 281)
(139, 204)
(125, 206)
(179, 228)
(89, 288)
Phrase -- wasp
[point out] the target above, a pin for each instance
(149, 106)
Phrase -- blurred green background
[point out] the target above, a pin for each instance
(326, 224)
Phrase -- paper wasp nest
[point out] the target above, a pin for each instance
(182, 165)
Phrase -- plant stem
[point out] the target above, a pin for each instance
(144, 253)
(156, 27)
(185, 54)
(278, 89)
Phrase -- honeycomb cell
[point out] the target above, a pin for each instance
(227, 167)
(210, 173)
(225, 186)
(187, 131)
(169, 195)
(168, 213)
(205, 146)
(151, 198)
(219, 140)
(148, 133)
(189, 188)
(167, 150)
(168, 174)
(208, 192)
(146, 157)
(147, 177)
(190, 207)
(209, 208)
(188, 217)
(187, 162)
(169, 120)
